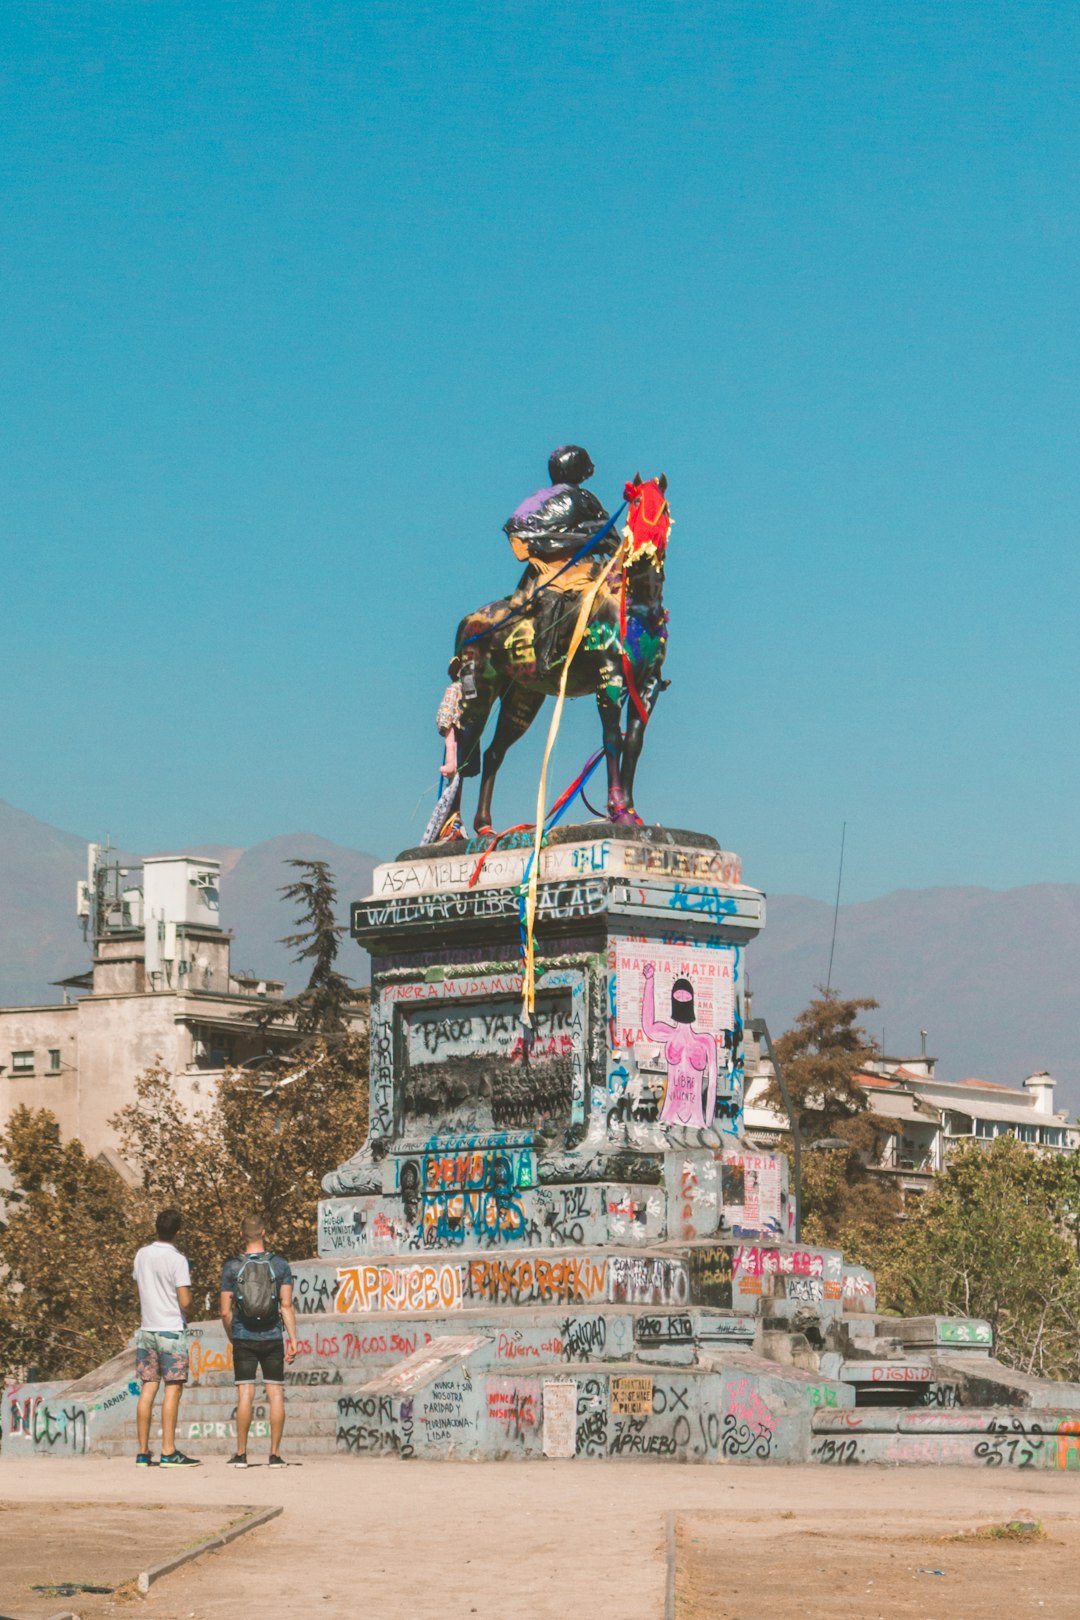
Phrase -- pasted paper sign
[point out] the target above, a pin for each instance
(560, 1417)
(631, 1397)
(712, 979)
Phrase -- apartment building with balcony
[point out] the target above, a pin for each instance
(934, 1115)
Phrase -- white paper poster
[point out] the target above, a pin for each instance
(710, 975)
(560, 1417)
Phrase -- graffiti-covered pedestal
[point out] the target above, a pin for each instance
(616, 1118)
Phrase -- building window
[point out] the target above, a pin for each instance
(22, 1062)
(54, 1060)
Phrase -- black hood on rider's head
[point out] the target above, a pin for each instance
(682, 1001)
(570, 464)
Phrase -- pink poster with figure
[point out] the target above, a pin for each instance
(680, 1002)
(711, 974)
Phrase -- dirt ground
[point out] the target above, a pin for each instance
(91, 1544)
(537, 1541)
(907, 1566)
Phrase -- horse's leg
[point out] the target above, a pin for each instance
(477, 710)
(609, 690)
(649, 690)
(517, 711)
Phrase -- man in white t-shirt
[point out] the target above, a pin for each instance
(161, 1344)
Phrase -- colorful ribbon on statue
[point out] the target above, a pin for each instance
(554, 816)
(528, 973)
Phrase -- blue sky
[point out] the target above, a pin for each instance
(297, 297)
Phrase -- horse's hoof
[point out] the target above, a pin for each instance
(623, 816)
(483, 832)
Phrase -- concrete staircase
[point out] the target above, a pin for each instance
(699, 1351)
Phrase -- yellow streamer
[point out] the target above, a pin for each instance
(528, 977)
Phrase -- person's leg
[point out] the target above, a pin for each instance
(272, 1367)
(245, 1402)
(144, 1412)
(275, 1395)
(148, 1372)
(170, 1406)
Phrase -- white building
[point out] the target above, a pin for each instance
(160, 990)
(934, 1114)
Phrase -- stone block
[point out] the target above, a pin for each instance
(945, 1332)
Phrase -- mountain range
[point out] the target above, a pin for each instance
(992, 975)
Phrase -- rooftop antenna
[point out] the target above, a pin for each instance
(836, 910)
(923, 1033)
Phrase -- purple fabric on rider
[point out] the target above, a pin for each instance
(535, 502)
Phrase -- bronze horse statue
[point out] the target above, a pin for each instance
(619, 658)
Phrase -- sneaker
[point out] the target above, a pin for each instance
(276, 1461)
(176, 1459)
(238, 1461)
(144, 1459)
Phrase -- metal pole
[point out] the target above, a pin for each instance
(758, 1027)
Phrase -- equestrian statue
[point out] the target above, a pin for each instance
(514, 651)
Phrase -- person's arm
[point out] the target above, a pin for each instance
(227, 1312)
(288, 1316)
(653, 1027)
(710, 1101)
(182, 1282)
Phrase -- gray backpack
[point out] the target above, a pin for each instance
(256, 1293)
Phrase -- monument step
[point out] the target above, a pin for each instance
(989, 1437)
(459, 1209)
(967, 1334)
(518, 1336)
(739, 1408)
(726, 1273)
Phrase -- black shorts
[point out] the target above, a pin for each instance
(252, 1356)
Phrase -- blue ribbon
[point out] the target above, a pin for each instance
(552, 821)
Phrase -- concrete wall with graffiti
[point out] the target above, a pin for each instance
(616, 1117)
(53, 1420)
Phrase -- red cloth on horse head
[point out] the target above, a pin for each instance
(649, 518)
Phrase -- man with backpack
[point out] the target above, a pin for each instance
(256, 1301)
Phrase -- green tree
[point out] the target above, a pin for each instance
(995, 1238)
(67, 1297)
(821, 1056)
(320, 1008)
(262, 1145)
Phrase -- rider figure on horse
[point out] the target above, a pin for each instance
(546, 530)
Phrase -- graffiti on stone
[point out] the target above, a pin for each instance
(342, 1228)
(513, 1406)
(669, 1329)
(711, 1274)
(646, 1281)
(314, 1292)
(566, 1280)
(444, 1416)
(405, 1288)
(748, 1424)
(592, 1419)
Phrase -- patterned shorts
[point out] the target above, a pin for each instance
(161, 1356)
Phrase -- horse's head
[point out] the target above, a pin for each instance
(648, 520)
